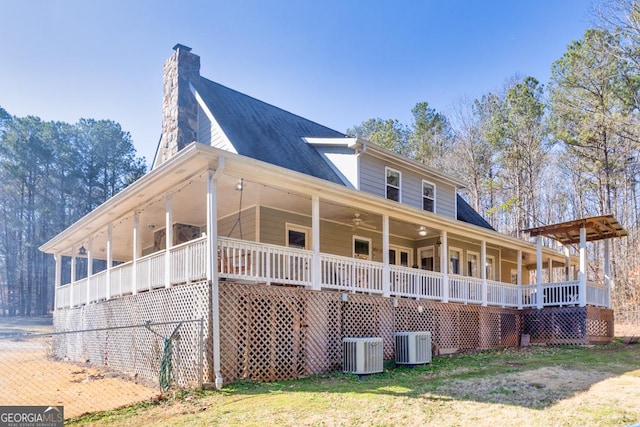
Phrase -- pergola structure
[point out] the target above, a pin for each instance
(581, 231)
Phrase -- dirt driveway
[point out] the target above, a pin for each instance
(30, 377)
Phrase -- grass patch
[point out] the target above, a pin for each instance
(480, 388)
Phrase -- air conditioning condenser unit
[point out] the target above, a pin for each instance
(413, 348)
(362, 356)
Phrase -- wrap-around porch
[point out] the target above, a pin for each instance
(212, 215)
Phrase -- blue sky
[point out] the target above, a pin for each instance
(335, 62)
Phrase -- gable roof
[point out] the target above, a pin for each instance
(469, 215)
(265, 132)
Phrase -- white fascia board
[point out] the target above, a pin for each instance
(335, 142)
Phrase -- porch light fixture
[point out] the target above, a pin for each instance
(82, 251)
(240, 185)
(423, 231)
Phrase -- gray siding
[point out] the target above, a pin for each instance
(372, 180)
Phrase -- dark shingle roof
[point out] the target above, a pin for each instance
(264, 132)
(469, 215)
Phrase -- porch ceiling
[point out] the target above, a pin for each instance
(597, 228)
(185, 178)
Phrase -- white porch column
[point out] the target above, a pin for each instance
(316, 277)
(109, 259)
(89, 268)
(386, 271)
(444, 266)
(519, 278)
(73, 274)
(539, 289)
(483, 269)
(58, 278)
(567, 263)
(550, 268)
(212, 267)
(168, 223)
(136, 245)
(582, 291)
(607, 272)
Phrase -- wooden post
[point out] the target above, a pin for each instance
(212, 266)
(582, 291)
(519, 278)
(73, 274)
(168, 223)
(386, 270)
(58, 279)
(444, 266)
(567, 263)
(539, 288)
(316, 276)
(136, 244)
(483, 261)
(89, 268)
(109, 258)
(607, 272)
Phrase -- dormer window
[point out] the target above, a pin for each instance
(394, 180)
(428, 196)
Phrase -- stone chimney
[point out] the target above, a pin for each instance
(179, 106)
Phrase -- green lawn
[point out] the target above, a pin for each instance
(534, 386)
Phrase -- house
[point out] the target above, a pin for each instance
(287, 236)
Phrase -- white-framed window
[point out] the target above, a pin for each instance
(428, 196)
(400, 256)
(361, 247)
(427, 258)
(297, 236)
(393, 184)
(490, 266)
(455, 260)
(472, 264)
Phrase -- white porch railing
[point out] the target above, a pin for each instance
(415, 283)
(465, 289)
(188, 261)
(150, 272)
(503, 294)
(350, 274)
(272, 264)
(597, 295)
(258, 262)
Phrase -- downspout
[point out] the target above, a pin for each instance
(212, 263)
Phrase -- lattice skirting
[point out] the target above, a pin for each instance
(568, 325)
(272, 333)
(137, 350)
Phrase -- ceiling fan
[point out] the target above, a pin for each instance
(357, 221)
